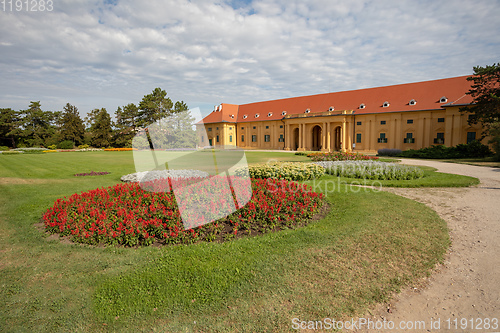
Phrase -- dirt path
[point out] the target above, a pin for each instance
(468, 284)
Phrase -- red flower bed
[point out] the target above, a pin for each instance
(340, 156)
(126, 214)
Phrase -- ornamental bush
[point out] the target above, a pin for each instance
(66, 144)
(388, 152)
(340, 156)
(128, 215)
(470, 150)
(283, 170)
(372, 170)
(4, 148)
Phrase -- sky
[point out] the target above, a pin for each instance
(110, 53)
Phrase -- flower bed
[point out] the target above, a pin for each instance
(119, 149)
(340, 156)
(283, 170)
(126, 214)
(371, 170)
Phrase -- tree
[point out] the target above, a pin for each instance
(34, 126)
(72, 127)
(485, 92)
(100, 127)
(8, 120)
(126, 124)
(485, 107)
(154, 107)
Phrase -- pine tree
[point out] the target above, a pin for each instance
(72, 127)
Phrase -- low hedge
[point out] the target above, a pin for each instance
(283, 170)
(372, 170)
(470, 150)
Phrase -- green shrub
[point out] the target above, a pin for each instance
(67, 144)
(388, 152)
(283, 170)
(4, 148)
(52, 147)
(472, 149)
(371, 170)
(11, 152)
(34, 151)
(83, 146)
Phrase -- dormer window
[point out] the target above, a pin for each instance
(257, 115)
(443, 99)
(269, 114)
(232, 116)
(413, 102)
(331, 108)
(308, 110)
(386, 104)
(245, 116)
(362, 106)
(283, 113)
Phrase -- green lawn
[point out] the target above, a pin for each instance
(370, 244)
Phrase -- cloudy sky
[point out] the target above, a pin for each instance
(109, 53)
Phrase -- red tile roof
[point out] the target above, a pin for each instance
(427, 96)
(222, 113)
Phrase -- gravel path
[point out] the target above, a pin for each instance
(467, 285)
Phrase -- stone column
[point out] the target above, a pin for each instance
(344, 136)
(328, 136)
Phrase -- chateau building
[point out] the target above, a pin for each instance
(405, 116)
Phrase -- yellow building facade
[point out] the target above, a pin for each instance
(408, 116)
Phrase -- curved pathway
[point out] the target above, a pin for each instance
(467, 285)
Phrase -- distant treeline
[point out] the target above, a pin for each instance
(34, 127)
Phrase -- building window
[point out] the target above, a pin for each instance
(409, 138)
(254, 127)
(382, 138)
(413, 102)
(267, 127)
(254, 138)
(243, 128)
(217, 138)
(267, 138)
(216, 128)
(362, 106)
(358, 137)
(281, 126)
(386, 104)
(470, 117)
(210, 142)
(230, 128)
(269, 114)
(440, 120)
(281, 139)
(245, 116)
(209, 129)
(358, 123)
(382, 122)
(439, 139)
(283, 113)
(409, 121)
(242, 138)
(202, 139)
(230, 138)
(471, 136)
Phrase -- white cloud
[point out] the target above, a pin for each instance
(203, 52)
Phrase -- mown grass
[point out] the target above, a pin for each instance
(370, 244)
